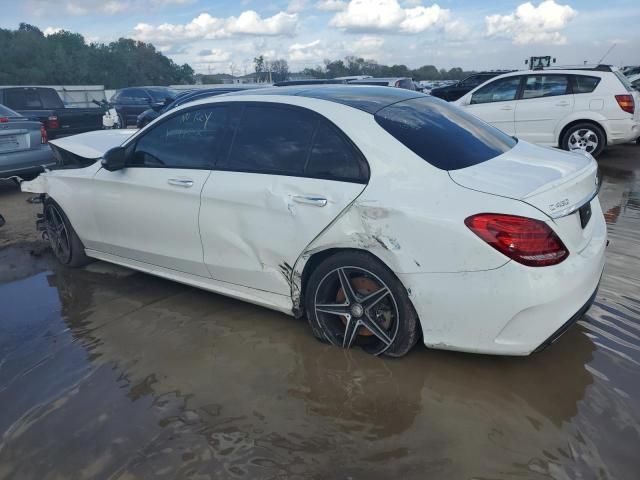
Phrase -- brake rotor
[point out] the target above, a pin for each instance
(364, 286)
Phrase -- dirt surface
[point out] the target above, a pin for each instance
(109, 373)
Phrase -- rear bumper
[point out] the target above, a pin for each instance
(622, 131)
(511, 310)
(26, 161)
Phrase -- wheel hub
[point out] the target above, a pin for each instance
(357, 311)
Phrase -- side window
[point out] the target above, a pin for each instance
(334, 158)
(272, 139)
(407, 84)
(23, 99)
(191, 139)
(501, 90)
(584, 84)
(538, 86)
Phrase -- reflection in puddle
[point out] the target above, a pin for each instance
(112, 375)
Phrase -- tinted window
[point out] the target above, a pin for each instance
(22, 99)
(161, 94)
(501, 90)
(133, 96)
(272, 139)
(443, 135)
(50, 98)
(584, 84)
(538, 86)
(473, 81)
(191, 139)
(334, 157)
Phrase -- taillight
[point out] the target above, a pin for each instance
(4, 120)
(52, 122)
(626, 103)
(525, 240)
(43, 135)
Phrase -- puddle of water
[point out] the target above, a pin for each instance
(109, 375)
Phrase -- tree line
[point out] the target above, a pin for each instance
(28, 57)
(351, 65)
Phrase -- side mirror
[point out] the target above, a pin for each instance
(114, 159)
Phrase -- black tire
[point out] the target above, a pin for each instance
(121, 121)
(582, 136)
(64, 241)
(379, 317)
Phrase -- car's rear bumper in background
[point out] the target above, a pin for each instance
(26, 161)
(622, 131)
(511, 310)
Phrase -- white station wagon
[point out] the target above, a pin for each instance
(382, 215)
(580, 109)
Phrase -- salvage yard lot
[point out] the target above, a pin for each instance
(110, 373)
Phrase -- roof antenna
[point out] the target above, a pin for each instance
(608, 52)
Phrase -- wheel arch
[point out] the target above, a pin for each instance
(572, 123)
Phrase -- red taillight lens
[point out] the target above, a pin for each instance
(52, 122)
(525, 240)
(43, 135)
(4, 120)
(626, 103)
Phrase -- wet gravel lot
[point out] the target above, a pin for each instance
(108, 373)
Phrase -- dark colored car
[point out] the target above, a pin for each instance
(183, 97)
(131, 102)
(23, 146)
(457, 90)
(45, 105)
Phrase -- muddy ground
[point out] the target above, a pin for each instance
(108, 373)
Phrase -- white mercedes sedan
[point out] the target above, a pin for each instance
(382, 215)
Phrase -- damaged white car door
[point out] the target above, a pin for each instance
(148, 211)
(290, 172)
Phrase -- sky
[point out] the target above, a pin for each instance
(223, 36)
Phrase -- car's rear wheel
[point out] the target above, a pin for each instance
(64, 241)
(584, 137)
(352, 299)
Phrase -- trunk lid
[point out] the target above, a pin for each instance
(554, 181)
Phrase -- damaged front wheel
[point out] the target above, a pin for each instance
(63, 239)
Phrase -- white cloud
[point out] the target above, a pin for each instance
(204, 26)
(297, 6)
(214, 55)
(51, 30)
(368, 44)
(331, 5)
(531, 24)
(388, 15)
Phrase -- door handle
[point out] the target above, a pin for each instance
(310, 200)
(562, 104)
(506, 107)
(180, 182)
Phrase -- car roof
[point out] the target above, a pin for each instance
(368, 98)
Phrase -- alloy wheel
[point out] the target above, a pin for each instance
(353, 306)
(58, 234)
(583, 139)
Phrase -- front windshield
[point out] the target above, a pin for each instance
(161, 94)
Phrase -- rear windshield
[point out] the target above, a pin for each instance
(625, 81)
(443, 135)
(50, 98)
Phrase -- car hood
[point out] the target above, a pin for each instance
(93, 144)
(551, 180)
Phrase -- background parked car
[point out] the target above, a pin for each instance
(398, 82)
(23, 145)
(131, 102)
(45, 105)
(453, 91)
(185, 96)
(575, 109)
